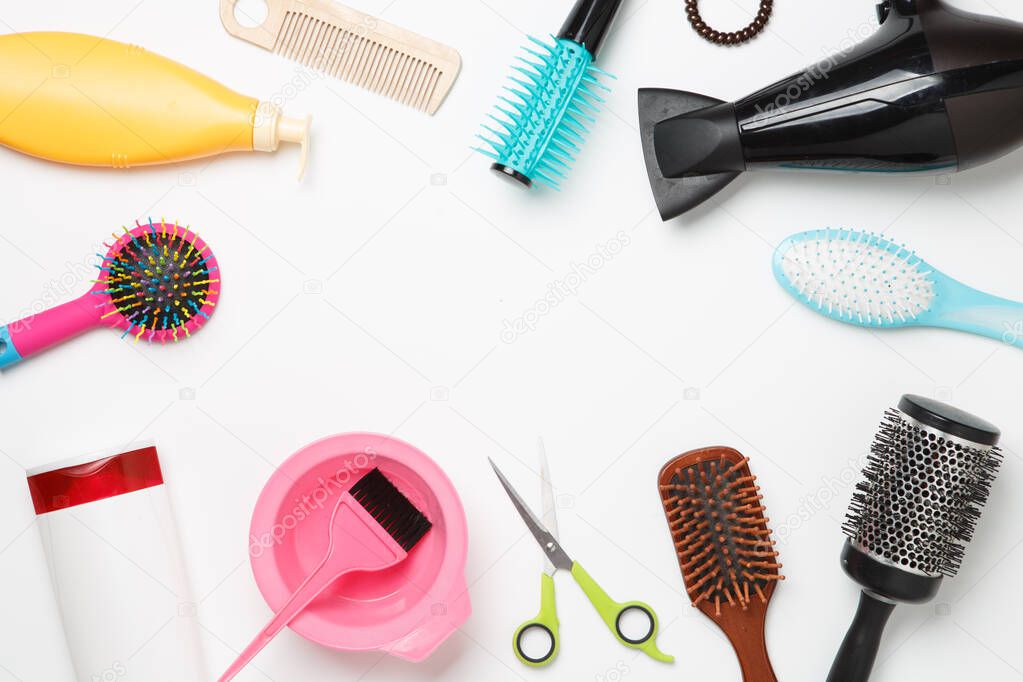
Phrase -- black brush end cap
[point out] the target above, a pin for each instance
(511, 174)
(950, 420)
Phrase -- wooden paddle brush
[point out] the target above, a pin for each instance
(716, 517)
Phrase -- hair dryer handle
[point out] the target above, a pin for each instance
(856, 658)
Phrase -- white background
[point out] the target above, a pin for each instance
(373, 295)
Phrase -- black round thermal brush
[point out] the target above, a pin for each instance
(928, 475)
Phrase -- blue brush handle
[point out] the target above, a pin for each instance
(9, 355)
(966, 309)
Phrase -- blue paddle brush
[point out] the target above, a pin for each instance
(866, 280)
(553, 95)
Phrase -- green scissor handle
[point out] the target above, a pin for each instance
(611, 612)
(545, 622)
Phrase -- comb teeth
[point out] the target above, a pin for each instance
(921, 496)
(542, 122)
(351, 55)
(392, 510)
(716, 517)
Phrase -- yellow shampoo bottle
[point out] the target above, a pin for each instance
(90, 101)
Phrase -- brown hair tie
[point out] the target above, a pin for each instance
(754, 28)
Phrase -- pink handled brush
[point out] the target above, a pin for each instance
(373, 527)
(158, 281)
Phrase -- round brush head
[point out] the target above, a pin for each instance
(929, 472)
(158, 281)
(716, 517)
(541, 123)
(855, 277)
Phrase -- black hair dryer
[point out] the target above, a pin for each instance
(934, 90)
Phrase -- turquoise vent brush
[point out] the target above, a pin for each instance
(866, 280)
(554, 93)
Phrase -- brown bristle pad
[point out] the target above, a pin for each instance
(717, 520)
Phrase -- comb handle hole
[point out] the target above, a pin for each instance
(251, 13)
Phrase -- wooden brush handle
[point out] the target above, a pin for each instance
(751, 648)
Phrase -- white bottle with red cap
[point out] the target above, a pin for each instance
(117, 572)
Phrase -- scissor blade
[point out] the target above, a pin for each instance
(548, 507)
(548, 543)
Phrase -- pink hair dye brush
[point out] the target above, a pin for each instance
(157, 281)
(373, 527)
(407, 611)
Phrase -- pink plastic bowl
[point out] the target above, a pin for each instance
(407, 610)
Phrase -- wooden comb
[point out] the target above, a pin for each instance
(729, 564)
(355, 47)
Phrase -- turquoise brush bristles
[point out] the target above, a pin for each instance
(542, 122)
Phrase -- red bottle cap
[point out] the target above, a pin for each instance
(84, 483)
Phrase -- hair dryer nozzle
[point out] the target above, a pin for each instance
(689, 158)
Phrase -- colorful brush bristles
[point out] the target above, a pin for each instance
(716, 516)
(161, 282)
(541, 123)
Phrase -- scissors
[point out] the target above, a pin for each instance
(555, 558)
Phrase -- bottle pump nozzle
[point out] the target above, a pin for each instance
(272, 127)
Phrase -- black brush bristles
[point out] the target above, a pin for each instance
(921, 496)
(716, 516)
(392, 510)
